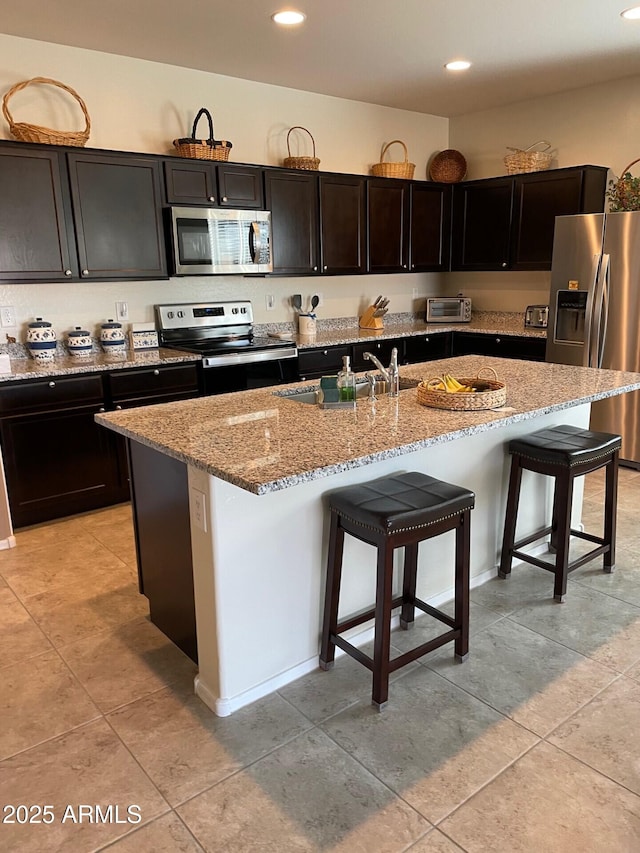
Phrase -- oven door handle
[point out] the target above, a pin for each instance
(255, 241)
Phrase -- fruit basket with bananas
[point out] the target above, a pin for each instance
(463, 393)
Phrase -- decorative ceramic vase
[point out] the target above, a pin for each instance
(112, 338)
(79, 342)
(41, 340)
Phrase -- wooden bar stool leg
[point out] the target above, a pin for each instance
(407, 615)
(461, 615)
(332, 592)
(563, 500)
(511, 516)
(610, 506)
(382, 641)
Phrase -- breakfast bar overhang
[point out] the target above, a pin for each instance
(256, 466)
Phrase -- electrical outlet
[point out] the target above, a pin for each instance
(198, 509)
(122, 310)
(8, 317)
(270, 301)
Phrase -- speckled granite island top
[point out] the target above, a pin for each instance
(263, 441)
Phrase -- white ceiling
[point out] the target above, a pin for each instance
(376, 51)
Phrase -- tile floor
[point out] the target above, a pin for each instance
(532, 745)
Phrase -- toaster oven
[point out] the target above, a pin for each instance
(448, 309)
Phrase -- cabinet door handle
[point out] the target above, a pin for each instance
(325, 267)
(224, 198)
(497, 340)
(504, 265)
(315, 269)
(212, 198)
(68, 272)
(101, 409)
(85, 272)
(404, 266)
(118, 407)
(52, 385)
(156, 372)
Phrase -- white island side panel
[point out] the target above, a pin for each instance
(259, 567)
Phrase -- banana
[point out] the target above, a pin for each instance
(452, 385)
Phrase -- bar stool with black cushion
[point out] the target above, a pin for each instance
(399, 511)
(564, 452)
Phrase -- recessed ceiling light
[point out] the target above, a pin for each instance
(632, 14)
(288, 17)
(458, 65)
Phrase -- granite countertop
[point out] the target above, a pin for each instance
(263, 442)
(67, 365)
(347, 331)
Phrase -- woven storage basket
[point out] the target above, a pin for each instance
(402, 169)
(309, 164)
(26, 132)
(464, 401)
(203, 149)
(448, 167)
(527, 160)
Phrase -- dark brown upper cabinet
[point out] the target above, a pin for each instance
(118, 216)
(36, 241)
(508, 223)
(388, 221)
(430, 244)
(342, 224)
(539, 198)
(292, 198)
(222, 185)
(482, 224)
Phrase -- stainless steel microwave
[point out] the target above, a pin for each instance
(208, 241)
(448, 309)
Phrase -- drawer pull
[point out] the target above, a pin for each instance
(68, 272)
(85, 272)
(224, 198)
(52, 385)
(101, 409)
(212, 198)
(156, 372)
(118, 407)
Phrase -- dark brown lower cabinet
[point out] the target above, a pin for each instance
(503, 346)
(160, 503)
(57, 460)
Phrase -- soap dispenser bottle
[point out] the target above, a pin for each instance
(394, 376)
(346, 382)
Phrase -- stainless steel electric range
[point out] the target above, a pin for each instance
(233, 358)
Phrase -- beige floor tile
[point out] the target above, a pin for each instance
(40, 699)
(111, 515)
(634, 672)
(119, 539)
(86, 766)
(30, 571)
(126, 663)
(604, 734)
(547, 801)
(166, 834)
(20, 637)
(185, 748)
(72, 612)
(434, 842)
(307, 796)
(63, 530)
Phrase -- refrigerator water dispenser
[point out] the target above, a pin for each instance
(571, 310)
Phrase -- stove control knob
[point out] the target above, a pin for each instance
(234, 310)
(170, 315)
(243, 310)
(180, 313)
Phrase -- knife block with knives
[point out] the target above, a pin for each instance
(372, 317)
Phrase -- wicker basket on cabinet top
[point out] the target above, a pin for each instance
(309, 164)
(448, 167)
(527, 160)
(25, 132)
(391, 169)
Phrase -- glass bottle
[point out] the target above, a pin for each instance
(346, 381)
(394, 376)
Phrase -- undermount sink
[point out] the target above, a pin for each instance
(310, 394)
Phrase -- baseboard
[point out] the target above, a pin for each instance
(9, 542)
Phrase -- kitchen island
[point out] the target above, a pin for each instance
(248, 473)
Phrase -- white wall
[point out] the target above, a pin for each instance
(597, 125)
(136, 105)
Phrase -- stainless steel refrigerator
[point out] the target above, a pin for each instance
(594, 310)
